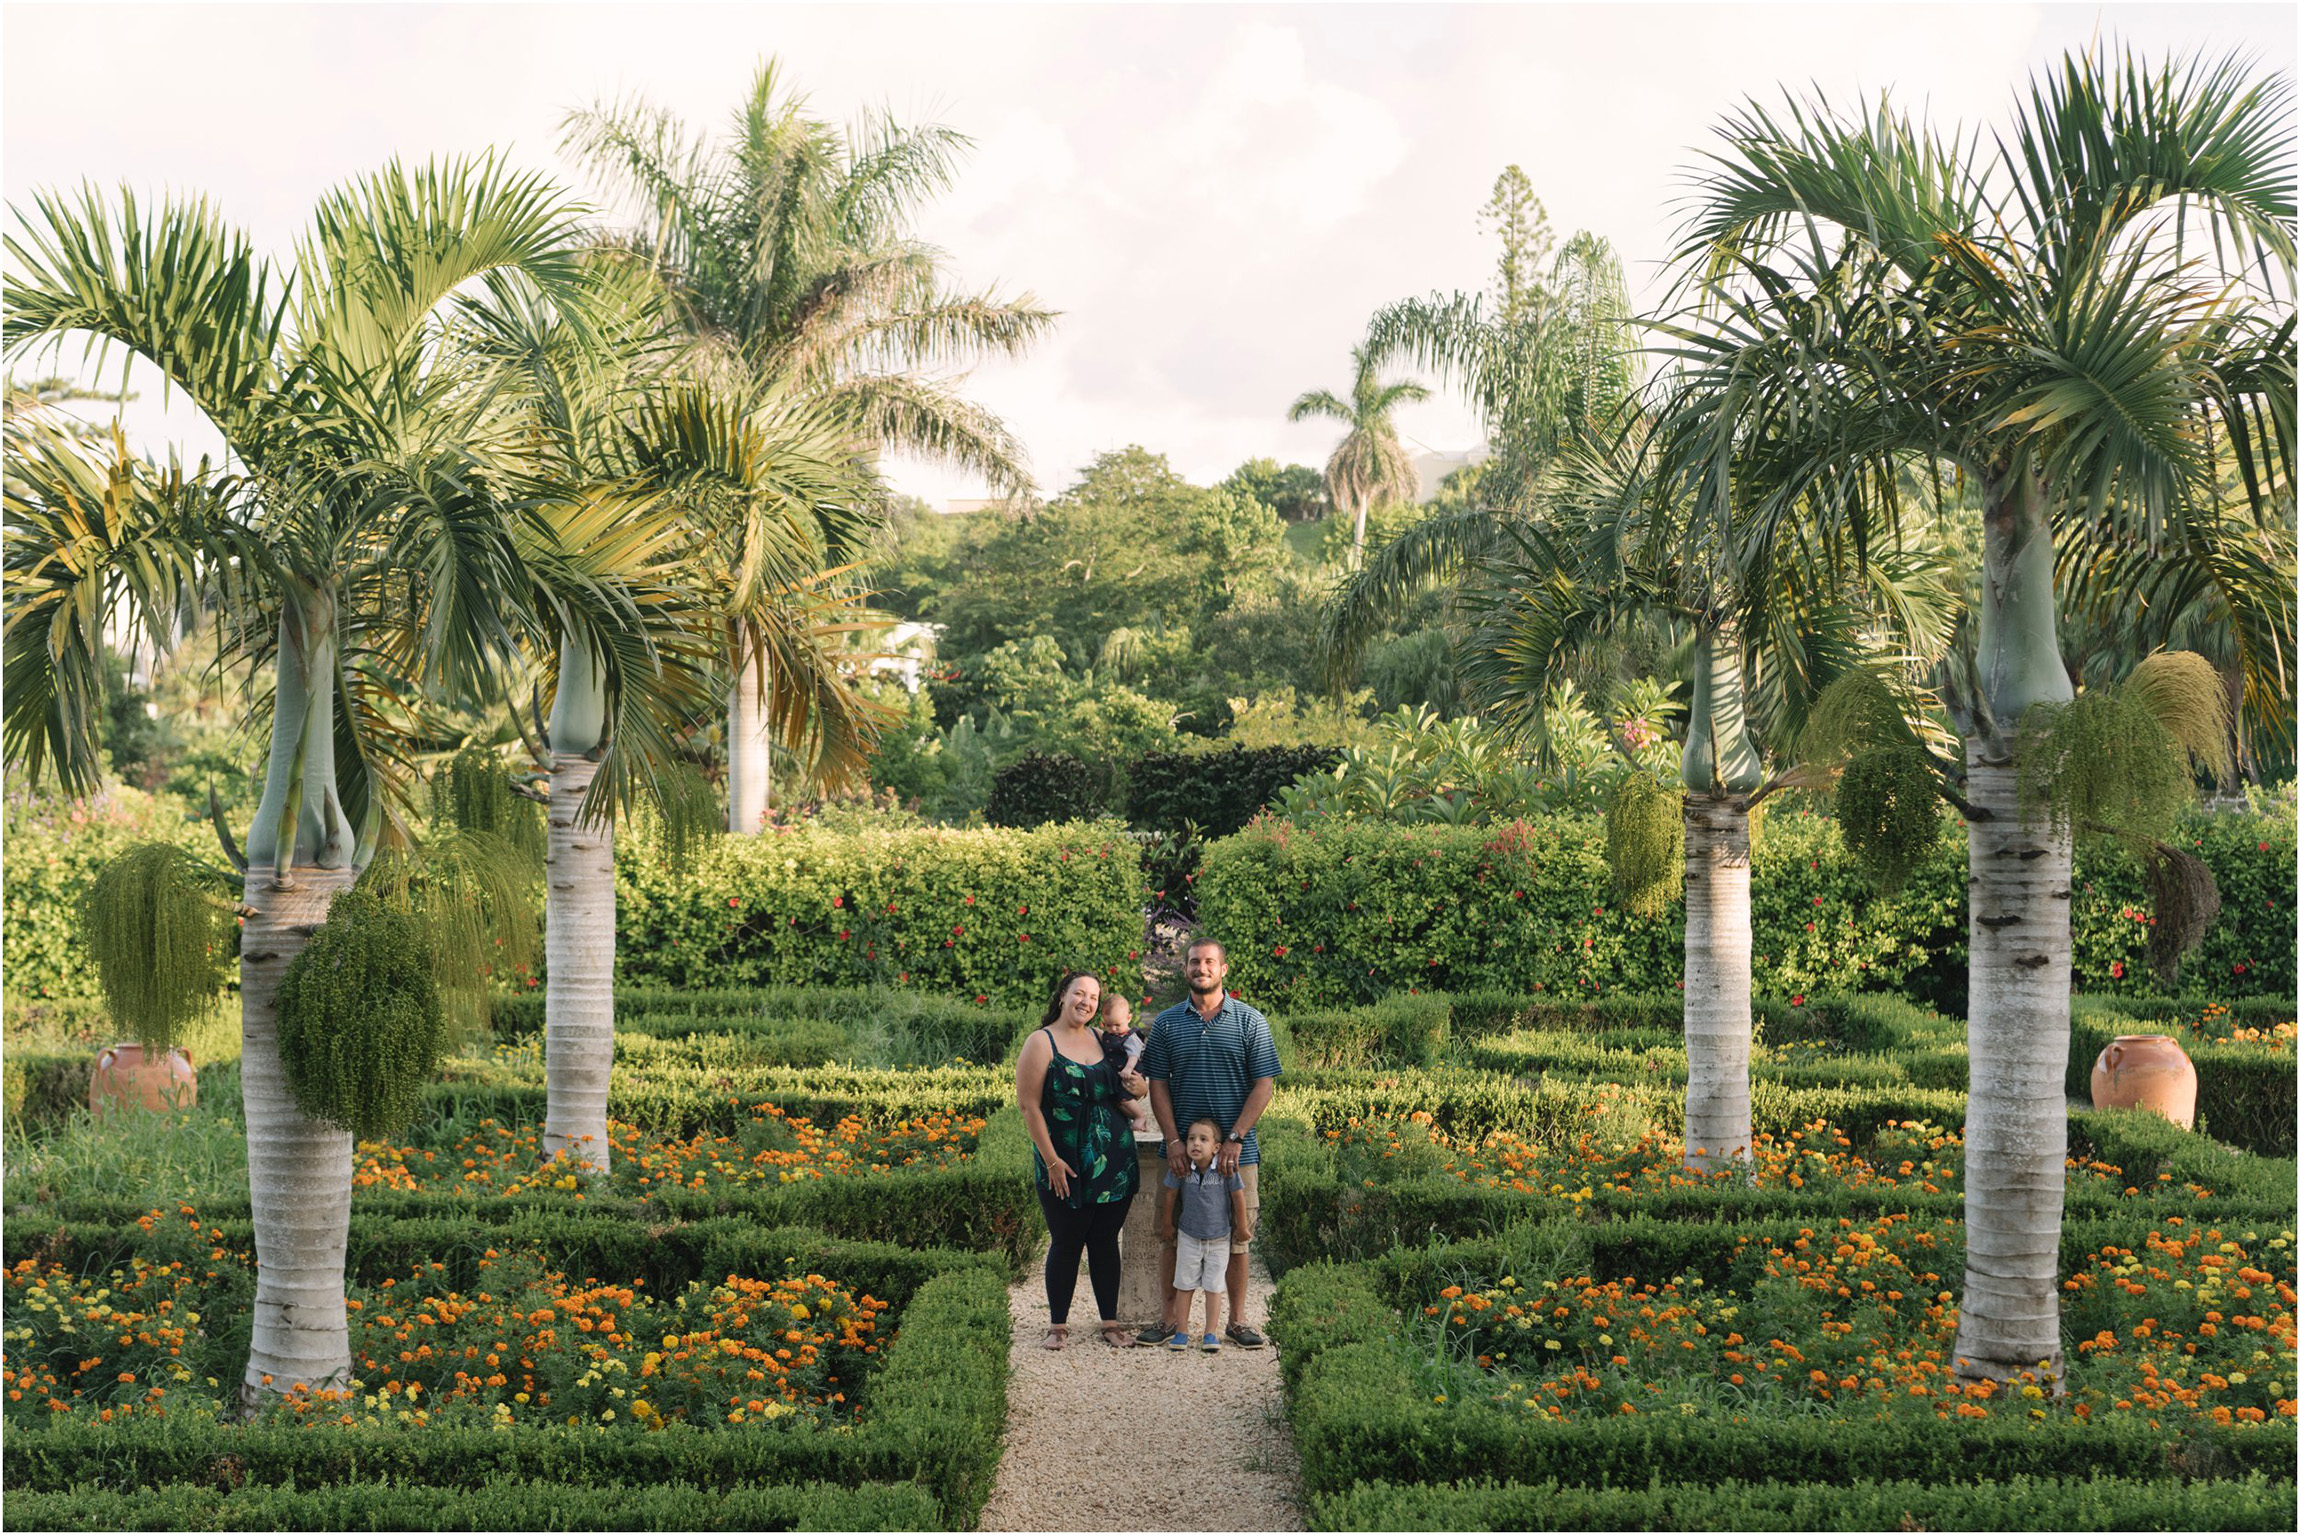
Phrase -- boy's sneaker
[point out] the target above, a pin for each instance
(1210, 1344)
(1178, 1342)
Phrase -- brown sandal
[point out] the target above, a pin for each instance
(1057, 1337)
(1116, 1336)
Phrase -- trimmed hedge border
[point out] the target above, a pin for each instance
(510, 1504)
(2099, 1502)
(671, 1236)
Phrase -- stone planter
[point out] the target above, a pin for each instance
(2146, 1071)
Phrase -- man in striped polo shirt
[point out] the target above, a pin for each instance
(1212, 1057)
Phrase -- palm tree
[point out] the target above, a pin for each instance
(1552, 367)
(360, 539)
(625, 454)
(1613, 558)
(2079, 317)
(1369, 466)
(788, 260)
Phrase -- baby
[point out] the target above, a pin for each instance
(1121, 1049)
(1197, 1213)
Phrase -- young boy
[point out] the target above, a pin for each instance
(1205, 1208)
(1121, 1050)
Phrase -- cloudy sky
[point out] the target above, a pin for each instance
(1216, 197)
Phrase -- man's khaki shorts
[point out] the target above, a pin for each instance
(1242, 1237)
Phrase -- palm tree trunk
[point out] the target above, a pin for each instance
(750, 746)
(578, 923)
(1717, 1021)
(2016, 1118)
(300, 856)
(1721, 770)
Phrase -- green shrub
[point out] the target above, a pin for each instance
(877, 1025)
(512, 1503)
(2099, 1502)
(989, 915)
(1042, 786)
(1218, 791)
(1403, 1030)
(360, 1023)
(1334, 914)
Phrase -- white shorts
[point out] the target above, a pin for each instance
(1201, 1263)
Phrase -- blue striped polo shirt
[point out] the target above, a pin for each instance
(1209, 1065)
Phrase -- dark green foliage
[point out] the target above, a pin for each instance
(1041, 786)
(1217, 791)
(474, 792)
(1888, 810)
(1645, 844)
(2099, 1502)
(161, 932)
(471, 895)
(512, 1503)
(360, 1023)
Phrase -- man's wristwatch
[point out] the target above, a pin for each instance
(1235, 1139)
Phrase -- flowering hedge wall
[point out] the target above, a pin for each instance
(1339, 913)
(988, 916)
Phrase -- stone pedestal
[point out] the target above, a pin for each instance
(1141, 1288)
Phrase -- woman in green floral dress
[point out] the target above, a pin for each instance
(1075, 1107)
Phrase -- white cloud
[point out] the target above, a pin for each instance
(1216, 197)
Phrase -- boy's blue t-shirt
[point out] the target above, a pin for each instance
(1202, 1208)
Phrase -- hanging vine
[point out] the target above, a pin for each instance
(160, 928)
(1888, 812)
(360, 1022)
(1645, 843)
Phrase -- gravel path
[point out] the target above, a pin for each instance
(1089, 1444)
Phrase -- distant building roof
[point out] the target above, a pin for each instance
(1433, 467)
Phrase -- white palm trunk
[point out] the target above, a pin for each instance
(750, 745)
(299, 1169)
(2016, 1118)
(1717, 1019)
(579, 969)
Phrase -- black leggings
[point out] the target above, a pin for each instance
(1092, 1230)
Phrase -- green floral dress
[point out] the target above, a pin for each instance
(1085, 1114)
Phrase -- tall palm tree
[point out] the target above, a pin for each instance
(788, 258)
(1369, 466)
(361, 538)
(2080, 316)
(1611, 559)
(1555, 367)
(624, 452)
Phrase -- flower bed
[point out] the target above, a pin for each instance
(775, 1147)
(762, 1359)
(1583, 1358)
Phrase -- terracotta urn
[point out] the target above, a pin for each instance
(2146, 1071)
(123, 1075)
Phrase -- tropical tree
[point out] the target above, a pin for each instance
(1369, 467)
(1615, 556)
(2087, 318)
(788, 259)
(361, 539)
(1546, 363)
(698, 505)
